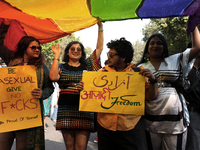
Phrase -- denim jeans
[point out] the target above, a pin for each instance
(55, 112)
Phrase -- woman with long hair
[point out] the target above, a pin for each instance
(75, 125)
(28, 53)
(166, 118)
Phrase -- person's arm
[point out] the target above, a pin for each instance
(99, 46)
(93, 62)
(47, 88)
(80, 85)
(153, 86)
(153, 90)
(195, 44)
(53, 74)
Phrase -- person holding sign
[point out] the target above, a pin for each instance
(166, 118)
(74, 124)
(28, 53)
(123, 131)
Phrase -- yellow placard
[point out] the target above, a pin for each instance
(113, 92)
(18, 108)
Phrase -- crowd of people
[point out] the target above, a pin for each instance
(171, 117)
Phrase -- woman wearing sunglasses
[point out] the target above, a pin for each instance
(28, 53)
(75, 125)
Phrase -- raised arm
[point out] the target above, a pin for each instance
(99, 46)
(53, 74)
(195, 44)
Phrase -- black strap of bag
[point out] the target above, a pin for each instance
(181, 74)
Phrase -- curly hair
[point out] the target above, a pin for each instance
(123, 47)
(22, 47)
(66, 56)
(165, 48)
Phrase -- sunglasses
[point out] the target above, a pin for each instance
(111, 55)
(78, 49)
(36, 47)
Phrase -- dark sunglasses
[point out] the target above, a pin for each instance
(78, 49)
(111, 55)
(36, 47)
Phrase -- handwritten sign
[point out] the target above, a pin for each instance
(113, 92)
(18, 108)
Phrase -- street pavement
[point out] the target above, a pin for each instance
(54, 139)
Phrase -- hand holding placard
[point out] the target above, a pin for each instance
(18, 108)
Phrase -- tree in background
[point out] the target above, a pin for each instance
(173, 29)
(138, 47)
(88, 51)
(49, 55)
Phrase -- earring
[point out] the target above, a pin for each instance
(146, 57)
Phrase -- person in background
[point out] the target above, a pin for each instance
(120, 131)
(75, 125)
(50, 106)
(192, 96)
(55, 101)
(47, 106)
(28, 53)
(166, 117)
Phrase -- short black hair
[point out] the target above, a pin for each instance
(123, 47)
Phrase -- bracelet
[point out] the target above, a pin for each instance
(153, 82)
(101, 30)
(57, 59)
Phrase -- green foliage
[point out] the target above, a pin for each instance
(48, 53)
(138, 51)
(150, 29)
(88, 51)
(174, 31)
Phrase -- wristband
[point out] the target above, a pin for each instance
(101, 30)
(57, 59)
